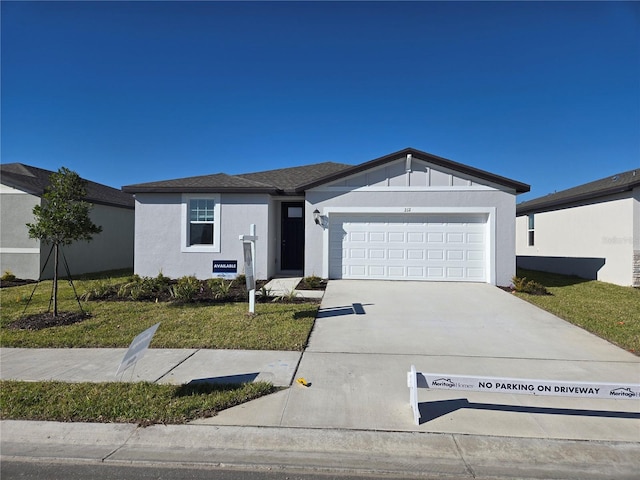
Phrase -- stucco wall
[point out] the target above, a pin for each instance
(112, 249)
(599, 232)
(18, 253)
(25, 257)
(159, 226)
(503, 202)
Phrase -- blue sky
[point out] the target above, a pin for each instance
(547, 93)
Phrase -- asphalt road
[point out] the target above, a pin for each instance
(10, 470)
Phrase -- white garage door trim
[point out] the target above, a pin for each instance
(490, 212)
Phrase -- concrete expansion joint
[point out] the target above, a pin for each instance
(461, 454)
(176, 365)
(121, 446)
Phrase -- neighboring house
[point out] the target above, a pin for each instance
(21, 189)
(591, 231)
(409, 215)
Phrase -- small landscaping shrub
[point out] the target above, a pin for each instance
(8, 276)
(288, 297)
(528, 286)
(140, 288)
(312, 282)
(186, 288)
(219, 287)
(98, 290)
(264, 293)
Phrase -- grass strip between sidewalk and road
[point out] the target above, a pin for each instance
(143, 403)
(609, 311)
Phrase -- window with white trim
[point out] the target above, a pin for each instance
(201, 227)
(201, 221)
(531, 232)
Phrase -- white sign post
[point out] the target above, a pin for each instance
(445, 381)
(137, 348)
(249, 250)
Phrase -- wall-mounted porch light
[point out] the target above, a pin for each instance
(316, 217)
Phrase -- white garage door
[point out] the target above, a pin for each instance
(408, 247)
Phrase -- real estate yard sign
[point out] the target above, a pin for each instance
(137, 349)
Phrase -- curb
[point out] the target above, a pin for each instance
(321, 450)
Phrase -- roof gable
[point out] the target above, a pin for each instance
(459, 174)
(599, 188)
(408, 173)
(35, 180)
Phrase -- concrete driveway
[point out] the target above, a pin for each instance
(368, 333)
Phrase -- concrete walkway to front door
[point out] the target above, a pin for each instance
(368, 333)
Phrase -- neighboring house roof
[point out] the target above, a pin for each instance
(621, 182)
(298, 179)
(34, 180)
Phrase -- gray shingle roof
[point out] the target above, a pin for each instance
(219, 182)
(289, 179)
(34, 180)
(283, 180)
(298, 179)
(620, 182)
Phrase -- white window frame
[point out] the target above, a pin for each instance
(531, 230)
(186, 222)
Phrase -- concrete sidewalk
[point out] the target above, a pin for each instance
(172, 366)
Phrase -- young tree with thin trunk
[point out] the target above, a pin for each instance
(62, 218)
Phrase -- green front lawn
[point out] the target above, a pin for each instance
(275, 326)
(609, 311)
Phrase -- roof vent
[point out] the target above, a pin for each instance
(615, 178)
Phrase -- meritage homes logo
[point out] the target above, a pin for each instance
(443, 382)
(623, 392)
(448, 383)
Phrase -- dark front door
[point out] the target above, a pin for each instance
(292, 236)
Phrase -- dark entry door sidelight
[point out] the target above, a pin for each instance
(292, 236)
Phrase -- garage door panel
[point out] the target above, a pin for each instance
(395, 254)
(435, 237)
(415, 254)
(412, 247)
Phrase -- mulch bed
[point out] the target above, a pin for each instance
(40, 321)
(15, 283)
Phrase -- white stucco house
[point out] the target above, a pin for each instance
(408, 215)
(590, 231)
(21, 188)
